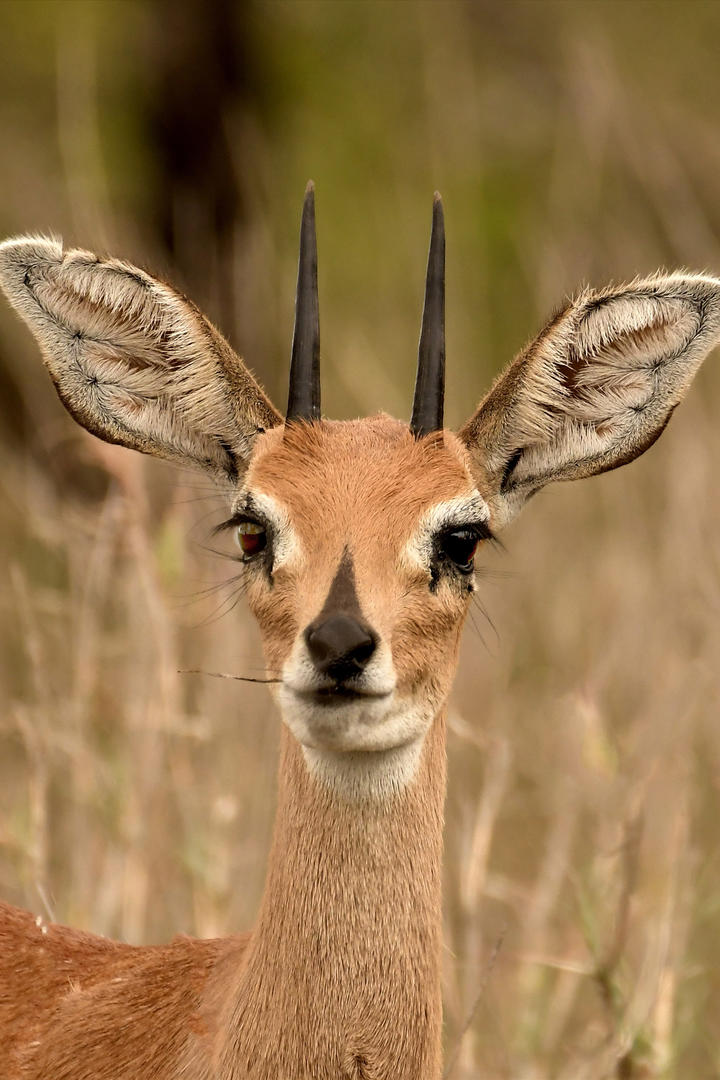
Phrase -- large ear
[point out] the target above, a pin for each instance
(595, 389)
(133, 360)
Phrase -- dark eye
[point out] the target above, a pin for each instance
(459, 546)
(251, 538)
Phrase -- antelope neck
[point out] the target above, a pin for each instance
(342, 978)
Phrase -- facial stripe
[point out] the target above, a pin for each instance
(342, 595)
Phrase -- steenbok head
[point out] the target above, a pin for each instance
(358, 537)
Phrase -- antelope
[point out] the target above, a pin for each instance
(358, 540)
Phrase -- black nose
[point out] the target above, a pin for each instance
(340, 646)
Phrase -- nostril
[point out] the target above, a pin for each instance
(340, 646)
(364, 650)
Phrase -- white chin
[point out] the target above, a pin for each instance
(360, 724)
(366, 747)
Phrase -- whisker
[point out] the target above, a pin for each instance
(477, 630)
(492, 574)
(227, 605)
(208, 590)
(192, 499)
(486, 615)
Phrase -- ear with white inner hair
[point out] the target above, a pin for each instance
(595, 389)
(133, 361)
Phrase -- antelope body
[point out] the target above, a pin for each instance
(358, 539)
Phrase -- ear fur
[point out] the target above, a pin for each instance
(595, 389)
(134, 361)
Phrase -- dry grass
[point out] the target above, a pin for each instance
(571, 142)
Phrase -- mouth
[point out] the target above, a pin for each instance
(339, 693)
(350, 716)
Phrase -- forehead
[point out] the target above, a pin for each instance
(373, 468)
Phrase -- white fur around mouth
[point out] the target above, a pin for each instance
(338, 721)
(349, 741)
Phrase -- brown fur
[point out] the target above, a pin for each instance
(376, 481)
(340, 978)
(348, 938)
(62, 992)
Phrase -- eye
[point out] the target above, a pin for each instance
(251, 538)
(459, 545)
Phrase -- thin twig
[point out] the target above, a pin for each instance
(224, 675)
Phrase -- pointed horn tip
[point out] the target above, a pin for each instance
(304, 392)
(437, 198)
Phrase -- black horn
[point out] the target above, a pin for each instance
(427, 413)
(304, 395)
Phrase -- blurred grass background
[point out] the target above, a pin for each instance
(573, 142)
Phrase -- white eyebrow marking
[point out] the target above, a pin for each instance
(286, 544)
(449, 514)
